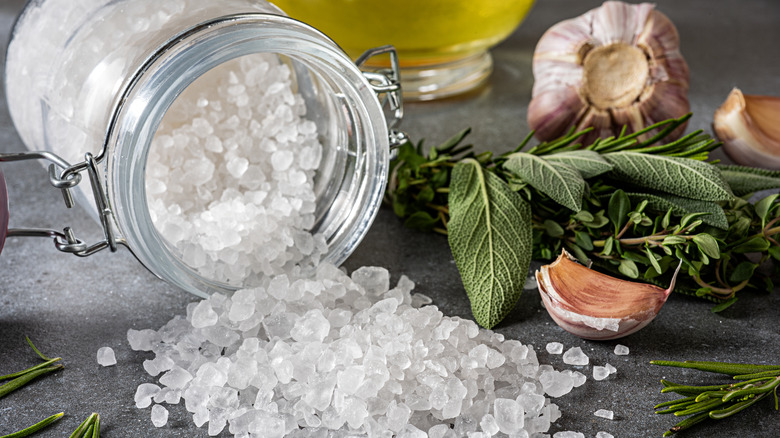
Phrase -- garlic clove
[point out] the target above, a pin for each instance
(622, 60)
(596, 306)
(749, 129)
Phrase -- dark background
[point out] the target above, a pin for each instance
(70, 307)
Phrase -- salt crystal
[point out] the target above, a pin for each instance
(621, 350)
(556, 384)
(142, 340)
(602, 434)
(159, 415)
(600, 373)
(106, 357)
(144, 394)
(568, 434)
(554, 347)
(610, 368)
(575, 356)
(603, 413)
(508, 415)
(530, 283)
(578, 378)
(204, 315)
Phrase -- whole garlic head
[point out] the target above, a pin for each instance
(593, 305)
(616, 65)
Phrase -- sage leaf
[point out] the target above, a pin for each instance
(490, 236)
(588, 163)
(682, 206)
(562, 183)
(619, 206)
(679, 176)
(745, 180)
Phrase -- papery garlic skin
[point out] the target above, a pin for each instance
(615, 65)
(596, 306)
(749, 127)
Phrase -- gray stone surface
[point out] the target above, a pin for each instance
(70, 306)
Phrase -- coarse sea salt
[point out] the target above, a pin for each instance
(350, 353)
(575, 356)
(621, 350)
(604, 413)
(106, 356)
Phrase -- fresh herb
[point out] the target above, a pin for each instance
(35, 427)
(633, 204)
(21, 378)
(720, 400)
(89, 428)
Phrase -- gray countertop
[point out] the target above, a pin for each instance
(72, 306)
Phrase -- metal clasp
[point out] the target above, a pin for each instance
(69, 177)
(386, 83)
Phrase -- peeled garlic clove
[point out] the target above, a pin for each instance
(749, 127)
(596, 306)
(624, 64)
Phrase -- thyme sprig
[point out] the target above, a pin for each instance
(718, 401)
(630, 224)
(22, 378)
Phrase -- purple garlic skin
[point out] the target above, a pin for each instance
(616, 65)
(596, 306)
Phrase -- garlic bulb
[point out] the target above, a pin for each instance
(593, 305)
(616, 65)
(749, 129)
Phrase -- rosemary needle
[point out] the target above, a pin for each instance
(35, 427)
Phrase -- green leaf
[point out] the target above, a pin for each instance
(653, 262)
(708, 245)
(682, 206)
(756, 244)
(619, 206)
(608, 246)
(674, 240)
(491, 240)
(742, 272)
(745, 180)
(679, 176)
(724, 305)
(553, 228)
(582, 239)
(421, 220)
(764, 207)
(584, 216)
(775, 252)
(562, 183)
(587, 163)
(628, 268)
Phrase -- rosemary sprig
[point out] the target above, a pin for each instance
(89, 428)
(22, 378)
(35, 427)
(717, 401)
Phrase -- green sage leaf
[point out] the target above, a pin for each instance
(588, 163)
(619, 206)
(491, 240)
(745, 180)
(682, 206)
(562, 183)
(679, 176)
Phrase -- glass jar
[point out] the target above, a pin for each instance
(89, 81)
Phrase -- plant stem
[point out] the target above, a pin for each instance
(35, 427)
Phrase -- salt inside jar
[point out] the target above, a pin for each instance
(224, 141)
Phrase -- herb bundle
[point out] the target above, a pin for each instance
(632, 204)
(718, 401)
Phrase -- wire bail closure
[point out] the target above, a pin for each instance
(69, 177)
(386, 83)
